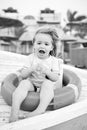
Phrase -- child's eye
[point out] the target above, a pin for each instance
(46, 44)
(39, 43)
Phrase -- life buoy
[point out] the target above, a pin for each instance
(62, 96)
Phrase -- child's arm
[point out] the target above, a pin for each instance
(25, 72)
(52, 75)
(56, 71)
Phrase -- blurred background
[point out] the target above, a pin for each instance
(20, 19)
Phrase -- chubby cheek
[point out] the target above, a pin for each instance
(51, 48)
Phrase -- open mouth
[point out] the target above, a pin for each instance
(42, 51)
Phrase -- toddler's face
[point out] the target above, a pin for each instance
(43, 45)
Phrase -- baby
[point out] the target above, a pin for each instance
(42, 71)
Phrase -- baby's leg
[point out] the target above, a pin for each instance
(46, 95)
(18, 96)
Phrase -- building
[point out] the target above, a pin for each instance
(24, 43)
(50, 17)
(27, 37)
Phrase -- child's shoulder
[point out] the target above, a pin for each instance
(57, 59)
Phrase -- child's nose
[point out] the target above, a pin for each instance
(43, 45)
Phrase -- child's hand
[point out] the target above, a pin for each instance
(42, 68)
(33, 68)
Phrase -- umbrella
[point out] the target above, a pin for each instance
(74, 23)
(9, 22)
(78, 23)
(10, 10)
(80, 40)
(8, 38)
(28, 35)
(68, 38)
(84, 21)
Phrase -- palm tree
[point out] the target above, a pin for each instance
(71, 16)
(73, 20)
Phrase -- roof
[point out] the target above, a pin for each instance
(28, 35)
(68, 38)
(9, 22)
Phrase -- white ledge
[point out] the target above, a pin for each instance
(49, 119)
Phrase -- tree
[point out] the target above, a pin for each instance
(74, 21)
(71, 16)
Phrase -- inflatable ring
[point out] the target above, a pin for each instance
(62, 96)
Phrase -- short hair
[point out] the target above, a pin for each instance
(54, 35)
